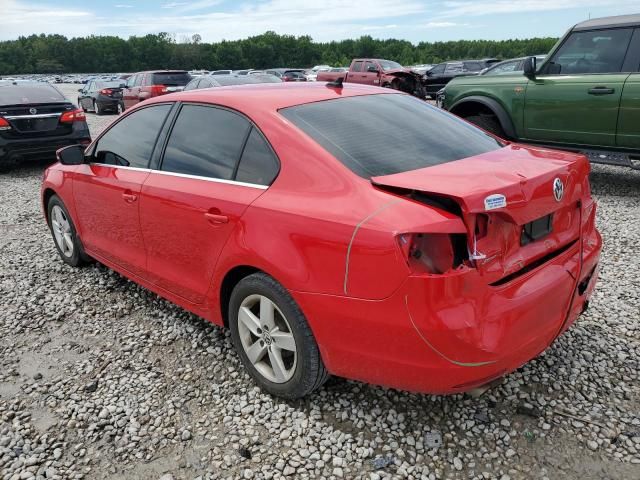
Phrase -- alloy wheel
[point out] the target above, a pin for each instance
(267, 339)
(62, 231)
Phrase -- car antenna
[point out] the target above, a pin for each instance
(337, 83)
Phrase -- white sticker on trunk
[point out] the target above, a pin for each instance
(494, 201)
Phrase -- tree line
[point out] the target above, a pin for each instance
(59, 54)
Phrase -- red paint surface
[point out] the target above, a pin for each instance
(379, 323)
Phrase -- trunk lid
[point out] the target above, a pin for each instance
(35, 120)
(506, 199)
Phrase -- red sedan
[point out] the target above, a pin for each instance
(353, 231)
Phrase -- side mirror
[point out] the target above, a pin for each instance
(529, 67)
(81, 90)
(71, 155)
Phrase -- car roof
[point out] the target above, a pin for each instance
(271, 96)
(604, 22)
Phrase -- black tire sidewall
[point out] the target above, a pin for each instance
(488, 123)
(78, 258)
(308, 361)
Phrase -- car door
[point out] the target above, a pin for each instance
(83, 96)
(576, 96)
(434, 82)
(628, 133)
(371, 73)
(106, 190)
(356, 74)
(191, 204)
(127, 92)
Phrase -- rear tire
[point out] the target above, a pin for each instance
(119, 108)
(487, 122)
(97, 108)
(268, 324)
(64, 234)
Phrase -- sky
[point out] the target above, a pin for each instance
(323, 20)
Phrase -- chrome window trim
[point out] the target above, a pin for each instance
(39, 115)
(135, 169)
(210, 179)
(184, 175)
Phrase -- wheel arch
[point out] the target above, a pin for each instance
(46, 196)
(479, 104)
(229, 281)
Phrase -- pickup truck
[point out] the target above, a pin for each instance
(381, 73)
(583, 97)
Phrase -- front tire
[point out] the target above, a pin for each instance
(64, 233)
(273, 339)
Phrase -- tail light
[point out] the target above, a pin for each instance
(73, 116)
(429, 252)
(4, 124)
(106, 91)
(286, 79)
(158, 90)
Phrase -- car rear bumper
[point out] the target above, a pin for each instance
(42, 148)
(438, 336)
(108, 103)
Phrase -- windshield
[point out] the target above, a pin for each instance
(25, 93)
(171, 79)
(392, 133)
(389, 65)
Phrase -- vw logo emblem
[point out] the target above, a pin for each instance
(558, 189)
(33, 111)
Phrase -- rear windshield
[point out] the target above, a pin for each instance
(294, 74)
(114, 84)
(25, 93)
(390, 133)
(175, 79)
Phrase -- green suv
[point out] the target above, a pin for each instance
(584, 97)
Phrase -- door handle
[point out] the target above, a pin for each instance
(601, 91)
(216, 218)
(129, 197)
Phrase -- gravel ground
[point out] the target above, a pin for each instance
(103, 379)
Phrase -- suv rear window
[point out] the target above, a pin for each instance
(392, 133)
(171, 79)
(26, 93)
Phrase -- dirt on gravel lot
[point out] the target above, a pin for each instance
(102, 379)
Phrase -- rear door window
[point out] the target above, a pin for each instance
(130, 142)
(456, 67)
(205, 142)
(599, 51)
(357, 67)
(258, 163)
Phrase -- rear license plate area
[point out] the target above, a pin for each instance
(536, 229)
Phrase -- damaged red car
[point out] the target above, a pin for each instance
(415, 252)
